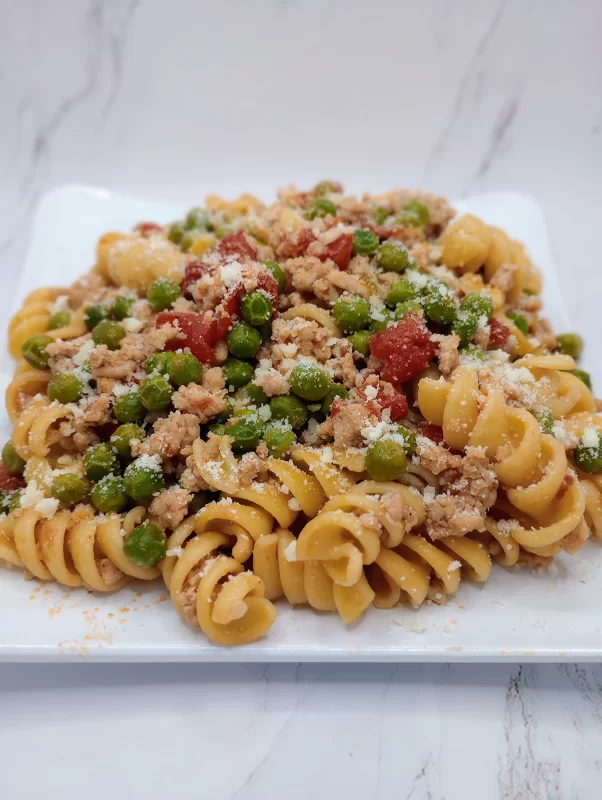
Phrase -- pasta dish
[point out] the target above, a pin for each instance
(332, 401)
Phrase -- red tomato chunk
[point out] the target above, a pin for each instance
(199, 335)
(237, 244)
(339, 251)
(193, 271)
(405, 347)
(396, 403)
(8, 481)
(499, 333)
(432, 432)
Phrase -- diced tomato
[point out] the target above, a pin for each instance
(405, 347)
(268, 284)
(395, 401)
(147, 228)
(200, 335)
(237, 244)
(499, 333)
(8, 481)
(294, 249)
(339, 251)
(432, 432)
(194, 270)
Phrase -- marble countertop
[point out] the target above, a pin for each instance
(175, 100)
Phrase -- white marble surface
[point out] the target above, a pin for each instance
(174, 99)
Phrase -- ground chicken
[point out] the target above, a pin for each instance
(109, 573)
(186, 597)
(62, 352)
(135, 348)
(397, 510)
(469, 488)
(195, 399)
(99, 411)
(249, 467)
(213, 379)
(534, 560)
(170, 507)
(447, 352)
(347, 424)
(504, 277)
(172, 435)
(273, 383)
(311, 276)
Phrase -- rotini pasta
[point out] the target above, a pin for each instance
(330, 402)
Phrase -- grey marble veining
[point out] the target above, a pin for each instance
(174, 100)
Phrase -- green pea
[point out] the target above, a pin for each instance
(335, 390)
(439, 302)
(385, 460)
(380, 324)
(100, 460)
(12, 460)
(520, 321)
(408, 439)
(320, 207)
(351, 313)
(393, 256)
(243, 340)
(15, 500)
(108, 333)
(279, 441)
(414, 214)
(380, 214)
(256, 308)
(545, 418)
(146, 545)
(121, 307)
(142, 482)
(569, 343)
(162, 294)
(477, 304)
(309, 381)
(95, 314)
(256, 394)
(360, 342)
(409, 307)
(200, 500)
(326, 187)
(465, 326)
(189, 238)
(184, 368)
(589, 459)
(225, 415)
(223, 230)
(175, 232)
(128, 407)
(159, 362)
(277, 273)
(65, 387)
(108, 495)
(583, 376)
(155, 392)
(69, 489)
(364, 241)
(289, 408)
(219, 429)
(473, 351)
(34, 351)
(123, 437)
(400, 292)
(59, 320)
(237, 373)
(197, 218)
(246, 435)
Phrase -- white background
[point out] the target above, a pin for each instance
(174, 99)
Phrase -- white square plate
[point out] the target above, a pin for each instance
(519, 614)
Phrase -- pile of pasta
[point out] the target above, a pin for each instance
(325, 520)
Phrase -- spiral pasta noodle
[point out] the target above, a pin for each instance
(73, 548)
